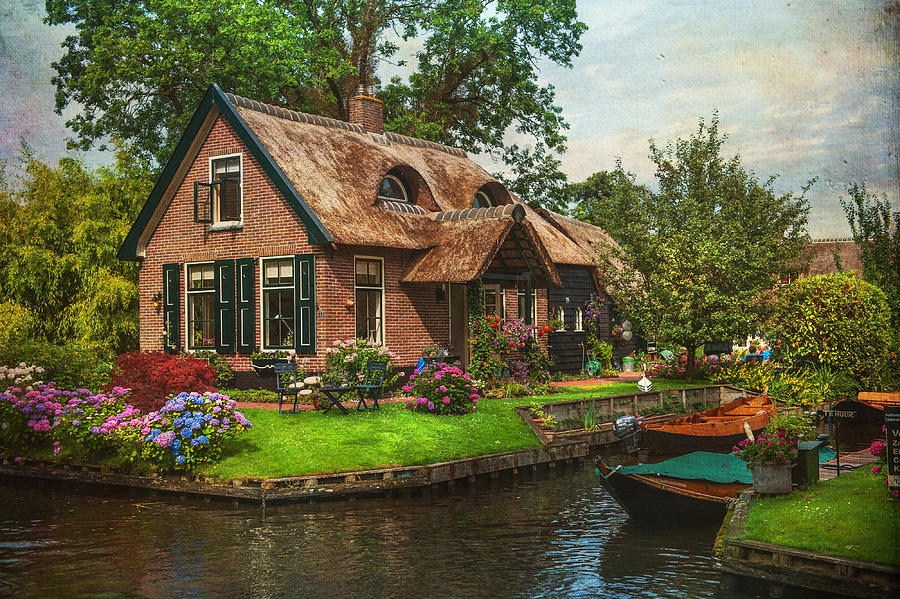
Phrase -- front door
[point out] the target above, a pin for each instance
(459, 323)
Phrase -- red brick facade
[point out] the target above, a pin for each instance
(414, 315)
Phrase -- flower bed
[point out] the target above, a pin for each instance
(189, 430)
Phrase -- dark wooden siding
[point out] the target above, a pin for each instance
(566, 346)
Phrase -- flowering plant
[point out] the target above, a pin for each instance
(90, 424)
(498, 343)
(441, 389)
(435, 350)
(21, 375)
(593, 311)
(877, 448)
(191, 428)
(346, 362)
(773, 449)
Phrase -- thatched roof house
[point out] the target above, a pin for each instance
(368, 219)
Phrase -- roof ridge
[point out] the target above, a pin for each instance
(515, 211)
(314, 119)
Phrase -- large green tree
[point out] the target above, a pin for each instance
(136, 70)
(697, 259)
(877, 231)
(60, 280)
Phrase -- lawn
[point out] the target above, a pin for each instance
(313, 443)
(849, 516)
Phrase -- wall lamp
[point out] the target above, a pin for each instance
(157, 300)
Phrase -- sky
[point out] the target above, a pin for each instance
(803, 89)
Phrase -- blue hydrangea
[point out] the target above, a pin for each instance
(176, 445)
(202, 440)
(186, 433)
(180, 459)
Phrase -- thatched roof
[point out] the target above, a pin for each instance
(822, 256)
(330, 171)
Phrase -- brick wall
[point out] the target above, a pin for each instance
(414, 316)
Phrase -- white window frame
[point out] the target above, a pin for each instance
(501, 298)
(560, 314)
(214, 204)
(186, 332)
(402, 185)
(579, 319)
(356, 304)
(262, 301)
(520, 293)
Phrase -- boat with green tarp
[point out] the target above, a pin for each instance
(698, 485)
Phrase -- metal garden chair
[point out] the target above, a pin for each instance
(372, 384)
(286, 383)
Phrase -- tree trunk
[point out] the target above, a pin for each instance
(689, 366)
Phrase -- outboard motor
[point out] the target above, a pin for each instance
(627, 428)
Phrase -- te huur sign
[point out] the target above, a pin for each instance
(892, 432)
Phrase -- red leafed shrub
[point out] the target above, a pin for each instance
(153, 376)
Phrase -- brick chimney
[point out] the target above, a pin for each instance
(367, 110)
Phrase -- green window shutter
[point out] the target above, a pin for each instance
(305, 303)
(171, 306)
(203, 195)
(225, 306)
(529, 299)
(246, 313)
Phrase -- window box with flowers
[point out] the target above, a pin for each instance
(263, 362)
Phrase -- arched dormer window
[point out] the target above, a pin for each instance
(483, 199)
(393, 188)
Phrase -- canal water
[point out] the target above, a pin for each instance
(554, 533)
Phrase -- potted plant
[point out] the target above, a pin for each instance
(769, 457)
(263, 362)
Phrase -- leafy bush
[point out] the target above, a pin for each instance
(795, 427)
(152, 376)
(517, 390)
(346, 362)
(497, 343)
(17, 324)
(224, 373)
(676, 368)
(190, 429)
(441, 389)
(70, 366)
(750, 376)
(835, 320)
(251, 395)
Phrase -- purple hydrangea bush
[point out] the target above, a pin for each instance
(441, 389)
(191, 429)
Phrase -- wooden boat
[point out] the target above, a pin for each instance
(718, 429)
(869, 405)
(692, 487)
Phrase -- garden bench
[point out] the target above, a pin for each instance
(286, 383)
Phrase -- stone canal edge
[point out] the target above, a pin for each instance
(776, 570)
(306, 488)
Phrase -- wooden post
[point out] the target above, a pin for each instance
(634, 404)
(683, 399)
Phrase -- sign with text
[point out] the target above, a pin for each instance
(846, 414)
(892, 432)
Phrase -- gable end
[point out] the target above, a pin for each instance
(215, 98)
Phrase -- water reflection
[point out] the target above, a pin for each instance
(553, 534)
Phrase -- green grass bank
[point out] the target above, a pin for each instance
(849, 516)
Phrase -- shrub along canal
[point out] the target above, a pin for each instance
(554, 533)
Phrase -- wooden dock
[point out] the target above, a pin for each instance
(849, 461)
